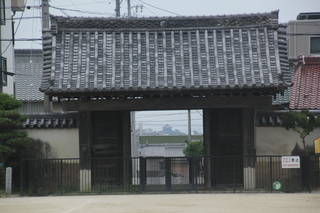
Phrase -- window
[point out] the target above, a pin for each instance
(2, 12)
(3, 68)
(315, 45)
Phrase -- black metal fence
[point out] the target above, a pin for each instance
(140, 174)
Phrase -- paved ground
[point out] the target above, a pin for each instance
(165, 203)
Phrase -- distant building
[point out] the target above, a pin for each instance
(304, 52)
(159, 147)
(7, 65)
(304, 35)
(164, 146)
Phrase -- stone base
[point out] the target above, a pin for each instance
(85, 180)
(249, 178)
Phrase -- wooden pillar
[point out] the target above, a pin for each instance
(207, 146)
(249, 150)
(126, 131)
(85, 138)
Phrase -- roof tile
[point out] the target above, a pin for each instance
(306, 84)
(91, 54)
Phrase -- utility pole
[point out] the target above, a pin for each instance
(129, 8)
(45, 30)
(117, 8)
(45, 16)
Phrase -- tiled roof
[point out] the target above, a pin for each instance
(28, 69)
(152, 54)
(306, 84)
(51, 120)
(282, 98)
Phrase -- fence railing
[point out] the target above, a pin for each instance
(139, 174)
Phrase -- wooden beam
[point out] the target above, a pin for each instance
(167, 103)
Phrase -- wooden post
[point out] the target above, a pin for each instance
(126, 149)
(249, 151)
(207, 147)
(85, 137)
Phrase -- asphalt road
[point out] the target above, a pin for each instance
(165, 203)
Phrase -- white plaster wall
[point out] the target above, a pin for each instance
(6, 33)
(279, 141)
(64, 142)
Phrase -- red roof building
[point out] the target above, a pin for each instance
(305, 93)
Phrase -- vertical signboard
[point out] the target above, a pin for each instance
(317, 146)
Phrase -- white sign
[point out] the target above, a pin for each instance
(290, 162)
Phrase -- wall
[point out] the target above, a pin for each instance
(300, 45)
(279, 141)
(7, 48)
(64, 142)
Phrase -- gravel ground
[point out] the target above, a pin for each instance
(165, 203)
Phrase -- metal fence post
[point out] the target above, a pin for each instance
(270, 165)
(168, 173)
(21, 177)
(234, 174)
(142, 173)
(61, 176)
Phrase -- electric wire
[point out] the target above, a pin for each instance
(156, 7)
(15, 32)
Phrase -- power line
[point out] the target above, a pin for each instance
(79, 11)
(15, 32)
(165, 10)
(28, 17)
(94, 2)
(22, 39)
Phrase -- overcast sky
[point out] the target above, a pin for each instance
(31, 28)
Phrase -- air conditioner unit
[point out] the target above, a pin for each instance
(17, 5)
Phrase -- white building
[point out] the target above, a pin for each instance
(7, 11)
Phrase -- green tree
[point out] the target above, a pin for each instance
(194, 149)
(303, 123)
(14, 142)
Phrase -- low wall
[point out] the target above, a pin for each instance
(280, 141)
(64, 142)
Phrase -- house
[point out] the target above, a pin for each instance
(304, 55)
(8, 9)
(28, 74)
(58, 129)
(229, 66)
(304, 51)
(28, 69)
